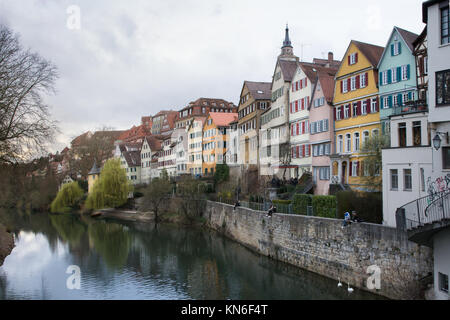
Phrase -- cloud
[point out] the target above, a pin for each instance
(134, 58)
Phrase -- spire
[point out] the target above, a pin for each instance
(95, 169)
(287, 41)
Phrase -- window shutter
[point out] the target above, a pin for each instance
(381, 78)
(389, 76)
(392, 49)
(381, 102)
(358, 108)
(303, 151)
(303, 104)
(408, 71)
(358, 79)
(390, 101)
(349, 61)
(356, 57)
(399, 47)
(410, 96)
(293, 87)
(298, 128)
(303, 127)
(342, 112)
(377, 105)
(368, 106)
(399, 99)
(309, 149)
(306, 82)
(357, 169)
(334, 113)
(342, 86)
(350, 169)
(296, 106)
(308, 101)
(298, 151)
(292, 130)
(366, 79)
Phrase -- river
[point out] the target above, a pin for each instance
(140, 261)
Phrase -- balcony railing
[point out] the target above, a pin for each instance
(426, 210)
(411, 107)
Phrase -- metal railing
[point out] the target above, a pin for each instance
(411, 107)
(426, 210)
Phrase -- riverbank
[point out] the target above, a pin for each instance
(6, 243)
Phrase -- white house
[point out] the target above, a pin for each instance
(150, 146)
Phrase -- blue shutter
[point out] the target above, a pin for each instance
(399, 47)
(381, 103)
(399, 74)
(390, 101)
(381, 78)
(400, 98)
(392, 49)
(410, 96)
(389, 77)
(408, 71)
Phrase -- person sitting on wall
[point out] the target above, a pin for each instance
(347, 219)
(237, 204)
(272, 209)
(355, 217)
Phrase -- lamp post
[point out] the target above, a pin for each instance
(437, 139)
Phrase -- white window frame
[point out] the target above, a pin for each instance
(404, 72)
(394, 100)
(362, 81)
(348, 143)
(356, 141)
(346, 111)
(386, 102)
(344, 86)
(394, 75)
(340, 144)
(384, 77)
(373, 105)
(338, 113)
(364, 108)
(353, 58)
(353, 83)
(354, 168)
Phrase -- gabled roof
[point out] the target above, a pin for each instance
(94, 169)
(223, 119)
(154, 142)
(370, 51)
(420, 38)
(133, 158)
(288, 68)
(408, 39)
(259, 90)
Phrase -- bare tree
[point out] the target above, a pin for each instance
(25, 124)
(156, 196)
(371, 166)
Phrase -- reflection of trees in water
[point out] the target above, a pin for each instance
(112, 241)
(69, 227)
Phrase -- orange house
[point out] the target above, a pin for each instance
(215, 141)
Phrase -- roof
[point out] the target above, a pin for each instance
(133, 158)
(408, 36)
(259, 90)
(326, 79)
(325, 62)
(95, 169)
(154, 142)
(372, 52)
(81, 139)
(134, 134)
(223, 119)
(420, 38)
(288, 69)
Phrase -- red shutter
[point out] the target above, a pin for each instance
(342, 112)
(342, 86)
(349, 84)
(290, 107)
(356, 57)
(358, 79)
(298, 151)
(349, 60)
(334, 111)
(300, 85)
(292, 130)
(309, 149)
(366, 79)
(298, 128)
(306, 82)
(368, 106)
(350, 169)
(303, 127)
(296, 106)
(303, 151)
(358, 108)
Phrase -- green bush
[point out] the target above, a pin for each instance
(368, 205)
(284, 202)
(324, 206)
(67, 198)
(300, 203)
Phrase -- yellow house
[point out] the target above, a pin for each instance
(195, 133)
(356, 112)
(215, 139)
(93, 176)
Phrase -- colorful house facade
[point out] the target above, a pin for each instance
(397, 76)
(195, 138)
(356, 113)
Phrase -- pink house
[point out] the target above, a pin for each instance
(322, 129)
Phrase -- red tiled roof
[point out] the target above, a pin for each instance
(409, 37)
(133, 158)
(134, 134)
(372, 52)
(223, 119)
(259, 90)
(288, 69)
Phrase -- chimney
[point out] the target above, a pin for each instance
(330, 57)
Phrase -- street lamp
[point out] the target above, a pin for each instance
(437, 139)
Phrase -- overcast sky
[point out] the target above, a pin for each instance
(134, 58)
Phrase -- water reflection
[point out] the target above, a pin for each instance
(141, 261)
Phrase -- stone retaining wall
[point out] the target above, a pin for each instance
(321, 245)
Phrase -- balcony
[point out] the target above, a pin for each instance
(424, 217)
(411, 107)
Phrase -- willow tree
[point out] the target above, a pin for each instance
(68, 197)
(372, 165)
(111, 190)
(25, 77)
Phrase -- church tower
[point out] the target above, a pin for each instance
(287, 50)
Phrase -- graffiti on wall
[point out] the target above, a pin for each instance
(437, 186)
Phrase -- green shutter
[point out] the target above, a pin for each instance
(408, 71)
(399, 99)
(389, 77)
(381, 103)
(390, 101)
(392, 49)
(399, 48)
(399, 74)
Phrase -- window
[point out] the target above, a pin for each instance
(355, 109)
(356, 142)
(422, 179)
(364, 107)
(373, 105)
(362, 80)
(443, 87)
(394, 179)
(338, 113)
(348, 142)
(396, 49)
(340, 144)
(445, 21)
(394, 75)
(417, 133)
(443, 279)
(324, 173)
(394, 100)
(354, 168)
(405, 72)
(344, 86)
(353, 83)
(407, 178)
(402, 134)
(446, 157)
(365, 137)
(405, 97)
(384, 77)
(386, 102)
(353, 58)
(346, 111)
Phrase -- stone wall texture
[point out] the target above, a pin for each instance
(321, 245)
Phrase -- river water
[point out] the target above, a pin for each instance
(140, 261)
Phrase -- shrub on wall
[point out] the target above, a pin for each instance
(324, 206)
(283, 202)
(368, 205)
(300, 203)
